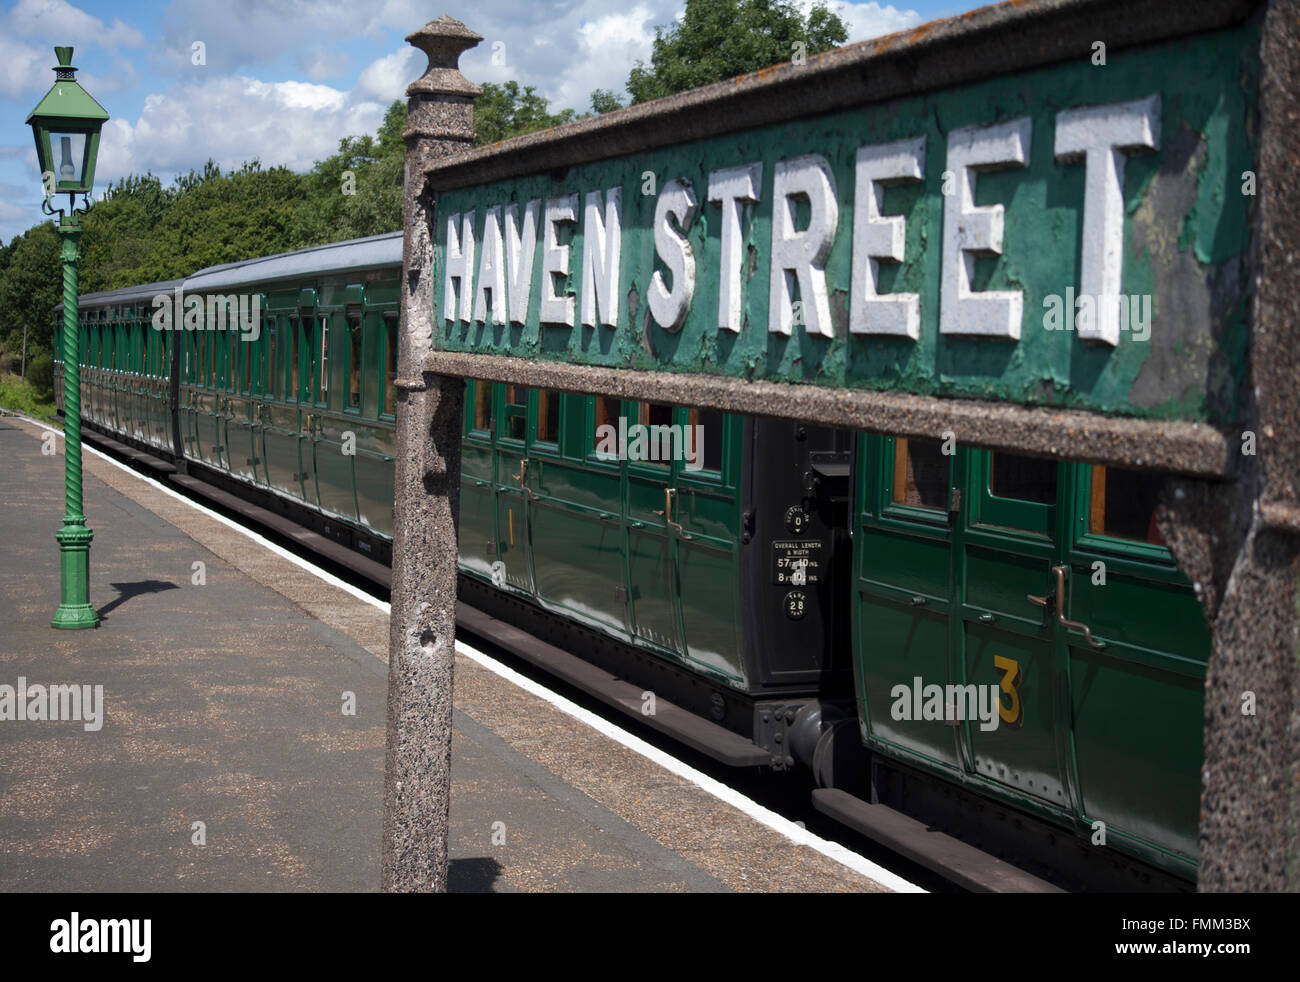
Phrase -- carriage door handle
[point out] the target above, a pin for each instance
(1059, 573)
(523, 471)
(670, 495)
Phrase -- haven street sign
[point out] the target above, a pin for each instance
(1073, 235)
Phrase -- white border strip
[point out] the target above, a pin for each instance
(764, 816)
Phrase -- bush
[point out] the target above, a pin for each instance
(40, 373)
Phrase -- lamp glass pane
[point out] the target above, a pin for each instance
(69, 156)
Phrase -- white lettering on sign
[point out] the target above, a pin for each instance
(804, 222)
(1102, 136)
(491, 271)
(521, 244)
(459, 263)
(556, 309)
(669, 307)
(800, 256)
(729, 188)
(971, 230)
(601, 247)
(877, 237)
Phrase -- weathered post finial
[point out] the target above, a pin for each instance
(443, 41)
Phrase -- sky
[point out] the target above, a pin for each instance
(284, 80)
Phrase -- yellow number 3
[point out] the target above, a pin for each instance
(1014, 714)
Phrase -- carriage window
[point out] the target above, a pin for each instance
(390, 390)
(248, 352)
(482, 405)
(656, 449)
(1022, 478)
(354, 362)
(1123, 505)
(323, 362)
(921, 474)
(705, 439)
(608, 411)
(548, 416)
(148, 365)
(291, 352)
(270, 359)
(516, 412)
(233, 364)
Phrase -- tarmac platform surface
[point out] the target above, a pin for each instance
(224, 705)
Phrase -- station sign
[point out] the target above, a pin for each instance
(1074, 235)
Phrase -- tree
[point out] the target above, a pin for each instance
(604, 101)
(30, 286)
(720, 39)
(506, 110)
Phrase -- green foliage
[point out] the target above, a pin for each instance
(40, 373)
(31, 283)
(507, 110)
(604, 101)
(21, 396)
(720, 39)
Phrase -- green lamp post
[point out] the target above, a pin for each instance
(66, 125)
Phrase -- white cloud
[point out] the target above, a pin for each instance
(234, 118)
(387, 78)
(870, 20)
(21, 67)
(59, 22)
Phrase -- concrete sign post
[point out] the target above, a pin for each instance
(417, 771)
(1065, 229)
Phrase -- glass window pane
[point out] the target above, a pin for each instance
(921, 474)
(1123, 504)
(548, 416)
(323, 365)
(706, 433)
(69, 150)
(1022, 478)
(354, 361)
(390, 390)
(482, 405)
(608, 411)
(295, 390)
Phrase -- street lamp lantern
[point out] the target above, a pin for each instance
(66, 125)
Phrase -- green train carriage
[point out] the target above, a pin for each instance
(913, 563)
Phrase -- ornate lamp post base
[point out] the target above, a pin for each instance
(75, 610)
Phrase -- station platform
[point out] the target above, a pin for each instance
(223, 704)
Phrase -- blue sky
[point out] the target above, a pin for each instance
(284, 80)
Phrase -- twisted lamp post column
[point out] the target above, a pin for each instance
(75, 610)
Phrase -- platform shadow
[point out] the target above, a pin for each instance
(125, 591)
(476, 875)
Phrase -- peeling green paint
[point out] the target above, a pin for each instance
(1186, 240)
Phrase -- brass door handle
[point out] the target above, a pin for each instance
(670, 495)
(523, 470)
(1059, 573)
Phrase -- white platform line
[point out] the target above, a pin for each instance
(765, 816)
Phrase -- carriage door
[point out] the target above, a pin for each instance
(652, 501)
(1008, 546)
(511, 561)
(1137, 648)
